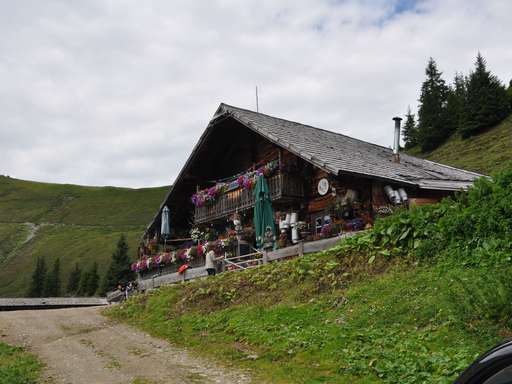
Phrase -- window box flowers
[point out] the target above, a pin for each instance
(245, 181)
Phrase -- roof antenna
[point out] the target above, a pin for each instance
(257, 103)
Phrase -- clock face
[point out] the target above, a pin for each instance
(323, 186)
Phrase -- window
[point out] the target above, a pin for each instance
(320, 221)
(318, 225)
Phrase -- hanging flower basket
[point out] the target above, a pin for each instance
(245, 181)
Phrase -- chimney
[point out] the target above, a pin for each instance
(396, 141)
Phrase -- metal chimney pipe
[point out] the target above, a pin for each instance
(396, 141)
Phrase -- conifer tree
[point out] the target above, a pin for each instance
(433, 123)
(456, 104)
(410, 133)
(84, 283)
(36, 288)
(52, 284)
(487, 102)
(509, 92)
(89, 281)
(74, 280)
(93, 281)
(119, 270)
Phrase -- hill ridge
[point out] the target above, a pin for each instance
(486, 153)
(78, 224)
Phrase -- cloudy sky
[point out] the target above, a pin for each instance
(117, 92)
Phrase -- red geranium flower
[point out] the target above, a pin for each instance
(183, 268)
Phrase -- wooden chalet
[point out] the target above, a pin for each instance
(327, 182)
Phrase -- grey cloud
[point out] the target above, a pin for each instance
(118, 92)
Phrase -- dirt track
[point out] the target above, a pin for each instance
(81, 346)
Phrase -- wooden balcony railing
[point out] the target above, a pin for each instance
(280, 186)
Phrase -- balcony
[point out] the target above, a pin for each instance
(281, 186)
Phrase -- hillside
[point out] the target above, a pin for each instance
(485, 153)
(75, 223)
(414, 300)
(385, 324)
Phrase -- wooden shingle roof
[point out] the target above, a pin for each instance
(339, 154)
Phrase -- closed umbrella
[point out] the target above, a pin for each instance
(165, 230)
(263, 213)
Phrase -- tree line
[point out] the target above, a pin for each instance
(47, 282)
(467, 106)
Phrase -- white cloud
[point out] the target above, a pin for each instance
(118, 92)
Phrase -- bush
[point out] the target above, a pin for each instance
(474, 227)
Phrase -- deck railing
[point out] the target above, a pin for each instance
(280, 186)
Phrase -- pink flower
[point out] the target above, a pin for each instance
(182, 254)
(198, 199)
(167, 258)
(326, 230)
(212, 192)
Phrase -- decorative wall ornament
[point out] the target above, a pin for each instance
(323, 186)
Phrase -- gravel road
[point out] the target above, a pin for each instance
(79, 346)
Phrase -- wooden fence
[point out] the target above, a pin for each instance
(239, 263)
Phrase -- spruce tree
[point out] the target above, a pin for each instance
(84, 283)
(410, 132)
(456, 104)
(89, 282)
(487, 102)
(74, 280)
(509, 92)
(52, 284)
(36, 288)
(433, 122)
(93, 280)
(119, 270)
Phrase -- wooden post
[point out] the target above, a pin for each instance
(265, 256)
(301, 248)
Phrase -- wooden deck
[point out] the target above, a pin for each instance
(280, 186)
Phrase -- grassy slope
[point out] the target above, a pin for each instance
(28, 201)
(76, 223)
(486, 153)
(17, 366)
(71, 244)
(325, 318)
(12, 236)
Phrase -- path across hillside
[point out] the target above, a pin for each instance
(81, 346)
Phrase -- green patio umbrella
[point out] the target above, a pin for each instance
(263, 213)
